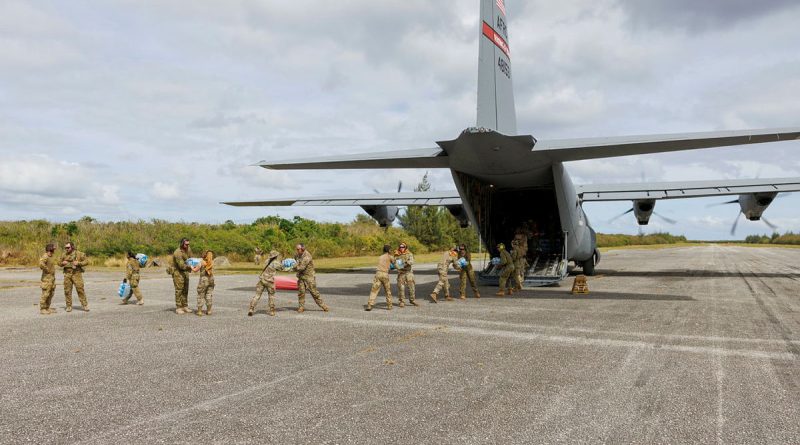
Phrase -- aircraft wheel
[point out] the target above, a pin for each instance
(588, 266)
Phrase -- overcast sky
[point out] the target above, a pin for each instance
(156, 109)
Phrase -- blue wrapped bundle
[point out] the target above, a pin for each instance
(496, 261)
(289, 263)
(124, 290)
(142, 259)
(193, 262)
(399, 263)
(462, 262)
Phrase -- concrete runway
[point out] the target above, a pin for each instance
(681, 345)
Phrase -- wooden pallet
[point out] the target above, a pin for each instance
(580, 286)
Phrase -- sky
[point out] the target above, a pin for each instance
(128, 110)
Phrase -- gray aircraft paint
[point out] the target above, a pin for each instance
(495, 86)
(491, 160)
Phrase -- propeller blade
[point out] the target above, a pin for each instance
(735, 201)
(376, 191)
(668, 220)
(771, 226)
(399, 186)
(735, 222)
(620, 215)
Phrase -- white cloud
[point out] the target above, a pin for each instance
(165, 191)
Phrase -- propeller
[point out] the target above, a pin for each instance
(667, 220)
(738, 215)
(620, 215)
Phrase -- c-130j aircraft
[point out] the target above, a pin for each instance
(515, 186)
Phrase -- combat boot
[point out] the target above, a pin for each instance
(199, 312)
(123, 302)
(272, 312)
(140, 303)
(69, 309)
(251, 311)
(510, 291)
(401, 304)
(388, 307)
(448, 298)
(51, 310)
(325, 308)
(208, 309)
(179, 311)
(86, 309)
(413, 303)
(44, 312)
(433, 298)
(477, 295)
(462, 297)
(301, 309)
(368, 308)
(501, 293)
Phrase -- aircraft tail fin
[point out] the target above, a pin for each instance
(495, 93)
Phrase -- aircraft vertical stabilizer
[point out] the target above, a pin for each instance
(495, 93)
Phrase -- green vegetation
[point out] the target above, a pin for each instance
(604, 240)
(435, 227)
(776, 238)
(22, 242)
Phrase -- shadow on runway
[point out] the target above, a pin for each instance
(684, 273)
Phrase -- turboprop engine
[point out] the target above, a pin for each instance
(385, 215)
(461, 216)
(643, 209)
(752, 206)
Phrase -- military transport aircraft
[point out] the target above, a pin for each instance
(511, 185)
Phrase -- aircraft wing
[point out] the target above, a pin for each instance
(376, 199)
(686, 189)
(594, 148)
(421, 158)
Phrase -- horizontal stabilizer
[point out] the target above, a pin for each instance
(421, 158)
(376, 199)
(593, 148)
(684, 189)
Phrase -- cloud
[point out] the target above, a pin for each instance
(165, 191)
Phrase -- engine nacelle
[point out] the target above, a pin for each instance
(385, 215)
(460, 215)
(643, 209)
(754, 204)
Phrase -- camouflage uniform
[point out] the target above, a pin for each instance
(266, 281)
(518, 255)
(443, 283)
(48, 265)
(382, 280)
(307, 280)
(257, 257)
(467, 274)
(506, 271)
(132, 275)
(205, 289)
(180, 277)
(405, 277)
(73, 275)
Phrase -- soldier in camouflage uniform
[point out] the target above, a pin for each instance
(448, 258)
(73, 263)
(180, 276)
(518, 255)
(205, 288)
(405, 276)
(306, 279)
(257, 257)
(506, 267)
(48, 265)
(132, 275)
(267, 281)
(381, 279)
(467, 274)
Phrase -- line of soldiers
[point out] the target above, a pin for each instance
(402, 260)
(73, 263)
